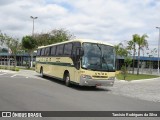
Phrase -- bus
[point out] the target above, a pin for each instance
(81, 61)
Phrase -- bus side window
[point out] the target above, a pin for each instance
(53, 50)
(68, 49)
(75, 46)
(74, 54)
(42, 52)
(47, 50)
(59, 50)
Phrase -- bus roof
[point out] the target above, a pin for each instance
(79, 40)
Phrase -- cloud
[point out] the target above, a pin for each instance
(109, 20)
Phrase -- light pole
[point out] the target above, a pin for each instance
(158, 47)
(33, 18)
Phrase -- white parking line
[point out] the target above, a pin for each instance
(13, 75)
(3, 73)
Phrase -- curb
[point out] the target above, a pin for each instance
(8, 71)
(142, 80)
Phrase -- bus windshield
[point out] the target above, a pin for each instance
(98, 57)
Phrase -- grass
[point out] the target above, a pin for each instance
(27, 68)
(15, 69)
(135, 77)
(9, 68)
(5, 67)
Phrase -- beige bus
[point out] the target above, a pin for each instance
(81, 61)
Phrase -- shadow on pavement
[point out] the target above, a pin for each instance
(76, 87)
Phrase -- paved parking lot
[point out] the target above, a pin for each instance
(141, 89)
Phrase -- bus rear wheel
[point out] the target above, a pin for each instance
(67, 79)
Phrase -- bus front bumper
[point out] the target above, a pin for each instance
(95, 82)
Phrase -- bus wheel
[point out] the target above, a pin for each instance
(67, 80)
(41, 73)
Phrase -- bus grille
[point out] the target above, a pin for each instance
(100, 76)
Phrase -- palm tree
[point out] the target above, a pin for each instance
(132, 46)
(117, 50)
(121, 51)
(141, 42)
(117, 47)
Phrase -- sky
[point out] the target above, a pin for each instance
(112, 21)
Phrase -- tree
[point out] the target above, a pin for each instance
(141, 42)
(117, 50)
(30, 44)
(1, 38)
(54, 36)
(60, 35)
(12, 44)
(4, 50)
(132, 46)
(42, 39)
(121, 51)
(124, 68)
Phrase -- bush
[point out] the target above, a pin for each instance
(16, 69)
(124, 72)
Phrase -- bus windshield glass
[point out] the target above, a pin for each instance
(98, 57)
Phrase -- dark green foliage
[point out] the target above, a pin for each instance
(124, 72)
(124, 68)
(4, 50)
(29, 43)
(141, 42)
(55, 36)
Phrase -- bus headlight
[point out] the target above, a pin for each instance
(86, 76)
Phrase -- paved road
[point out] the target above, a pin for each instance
(23, 93)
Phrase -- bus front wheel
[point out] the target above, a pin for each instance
(67, 79)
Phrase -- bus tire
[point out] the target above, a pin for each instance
(93, 87)
(67, 80)
(41, 72)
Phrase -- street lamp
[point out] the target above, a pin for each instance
(158, 47)
(33, 18)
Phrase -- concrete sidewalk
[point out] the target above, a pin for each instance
(141, 89)
(8, 71)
